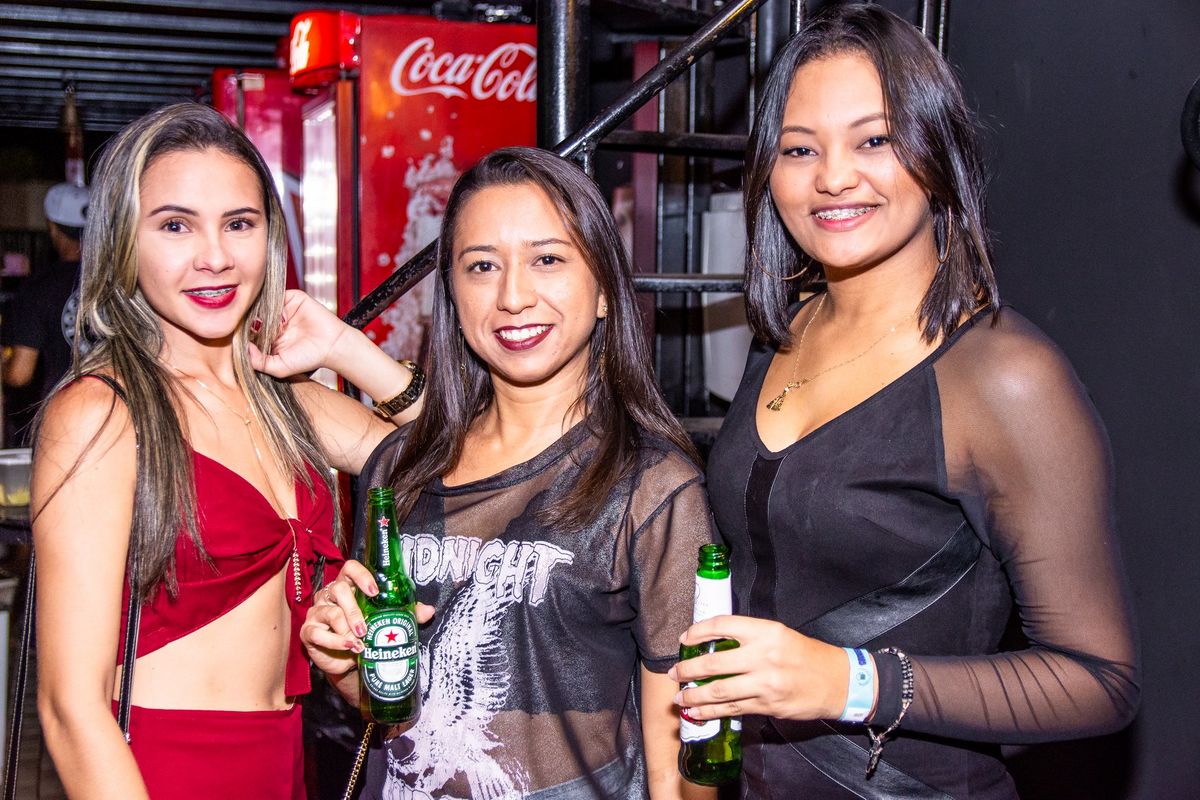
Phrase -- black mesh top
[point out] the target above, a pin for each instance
(528, 666)
(978, 482)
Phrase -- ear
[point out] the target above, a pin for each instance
(601, 307)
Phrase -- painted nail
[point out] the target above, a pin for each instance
(256, 325)
(358, 647)
(374, 590)
(360, 629)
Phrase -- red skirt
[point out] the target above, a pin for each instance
(201, 755)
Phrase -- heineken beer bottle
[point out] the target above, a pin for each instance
(710, 751)
(388, 670)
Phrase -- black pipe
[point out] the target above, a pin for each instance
(687, 282)
(563, 48)
(932, 22)
(660, 75)
(723, 145)
(799, 13)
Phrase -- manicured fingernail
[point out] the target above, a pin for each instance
(360, 629)
(358, 647)
(373, 590)
(350, 643)
(256, 325)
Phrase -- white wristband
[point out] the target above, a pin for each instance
(860, 695)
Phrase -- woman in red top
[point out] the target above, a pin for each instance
(166, 440)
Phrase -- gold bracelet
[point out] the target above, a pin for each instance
(390, 408)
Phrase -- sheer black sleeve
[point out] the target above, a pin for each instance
(668, 520)
(1027, 455)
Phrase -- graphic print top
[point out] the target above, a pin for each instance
(528, 665)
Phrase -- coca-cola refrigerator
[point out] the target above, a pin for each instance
(401, 105)
(262, 103)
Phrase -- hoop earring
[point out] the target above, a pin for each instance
(758, 266)
(944, 252)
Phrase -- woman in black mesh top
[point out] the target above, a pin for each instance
(906, 462)
(552, 512)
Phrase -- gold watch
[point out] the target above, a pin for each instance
(390, 408)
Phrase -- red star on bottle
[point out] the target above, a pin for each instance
(391, 637)
(383, 522)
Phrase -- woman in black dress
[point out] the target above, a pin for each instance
(906, 463)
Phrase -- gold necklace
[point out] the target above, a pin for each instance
(777, 403)
(246, 420)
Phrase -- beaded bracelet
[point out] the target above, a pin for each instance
(906, 698)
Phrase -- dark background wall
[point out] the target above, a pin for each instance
(1097, 217)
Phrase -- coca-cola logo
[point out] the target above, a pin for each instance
(509, 72)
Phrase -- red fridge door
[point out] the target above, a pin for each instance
(435, 97)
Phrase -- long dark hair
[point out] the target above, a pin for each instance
(620, 400)
(934, 137)
(124, 333)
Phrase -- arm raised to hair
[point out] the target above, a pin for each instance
(312, 337)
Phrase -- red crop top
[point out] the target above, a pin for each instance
(248, 544)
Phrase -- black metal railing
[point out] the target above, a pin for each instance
(564, 91)
(563, 42)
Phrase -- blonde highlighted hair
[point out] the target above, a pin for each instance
(119, 334)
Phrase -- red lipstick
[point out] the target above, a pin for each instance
(524, 343)
(212, 296)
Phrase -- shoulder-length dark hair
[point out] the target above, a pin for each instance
(620, 400)
(934, 137)
(125, 338)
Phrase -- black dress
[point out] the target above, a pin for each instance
(976, 483)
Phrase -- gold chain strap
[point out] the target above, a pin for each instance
(358, 761)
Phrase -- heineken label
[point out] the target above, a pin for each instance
(389, 658)
(713, 598)
(385, 552)
(696, 730)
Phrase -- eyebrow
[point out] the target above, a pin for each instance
(551, 240)
(858, 123)
(189, 212)
(479, 248)
(487, 248)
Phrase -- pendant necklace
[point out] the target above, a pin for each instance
(795, 383)
(247, 419)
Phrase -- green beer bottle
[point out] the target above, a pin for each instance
(388, 668)
(710, 751)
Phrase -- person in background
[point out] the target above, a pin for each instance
(39, 321)
(906, 463)
(173, 462)
(552, 512)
